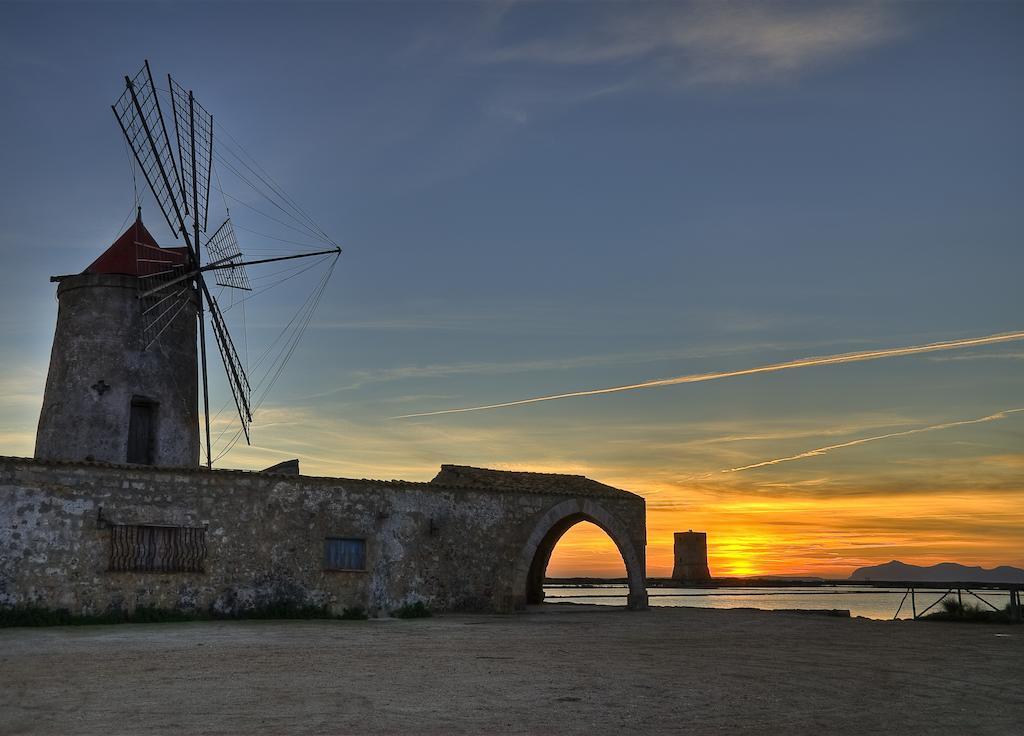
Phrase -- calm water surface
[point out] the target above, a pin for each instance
(880, 603)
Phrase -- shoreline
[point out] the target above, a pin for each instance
(874, 602)
(777, 582)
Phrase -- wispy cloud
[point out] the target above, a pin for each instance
(818, 451)
(506, 367)
(802, 432)
(715, 43)
(857, 357)
(454, 323)
(978, 356)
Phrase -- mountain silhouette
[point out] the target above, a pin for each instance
(943, 572)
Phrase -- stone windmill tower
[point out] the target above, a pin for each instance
(129, 350)
(108, 396)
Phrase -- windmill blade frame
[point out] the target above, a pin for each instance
(164, 289)
(237, 378)
(222, 248)
(181, 183)
(193, 129)
(138, 113)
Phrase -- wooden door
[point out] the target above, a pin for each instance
(141, 428)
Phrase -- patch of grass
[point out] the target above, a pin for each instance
(278, 609)
(412, 610)
(154, 615)
(39, 616)
(356, 613)
(954, 607)
(954, 610)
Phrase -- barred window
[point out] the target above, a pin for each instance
(344, 554)
(137, 548)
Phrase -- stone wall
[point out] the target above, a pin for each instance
(458, 543)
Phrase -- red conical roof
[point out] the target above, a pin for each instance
(136, 253)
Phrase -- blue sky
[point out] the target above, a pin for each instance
(536, 198)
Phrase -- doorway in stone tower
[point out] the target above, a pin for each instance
(142, 431)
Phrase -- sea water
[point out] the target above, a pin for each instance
(869, 602)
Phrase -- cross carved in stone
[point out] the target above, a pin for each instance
(100, 387)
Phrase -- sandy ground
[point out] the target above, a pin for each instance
(560, 669)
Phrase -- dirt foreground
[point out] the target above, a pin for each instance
(558, 670)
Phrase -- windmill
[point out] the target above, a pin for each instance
(178, 175)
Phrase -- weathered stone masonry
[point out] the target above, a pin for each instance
(113, 513)
(471, 539)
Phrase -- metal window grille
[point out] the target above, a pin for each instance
(135, 548)
(345, 554)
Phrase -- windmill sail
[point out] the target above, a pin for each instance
(222, 247)
(165, 289)
(193, 128)
(138, 112)
(237, 379)
(169, 280)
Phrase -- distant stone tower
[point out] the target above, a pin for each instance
(691, 557)
(106, 398)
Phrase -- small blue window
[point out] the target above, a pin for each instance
(344, 554)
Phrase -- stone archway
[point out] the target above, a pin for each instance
(533, 560)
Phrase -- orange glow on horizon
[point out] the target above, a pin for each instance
(822, 537)
(586, 551)
(922, 499)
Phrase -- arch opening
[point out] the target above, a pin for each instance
(586, 551)
(569, 526)
(550, 529)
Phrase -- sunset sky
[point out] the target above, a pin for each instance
(547, 198)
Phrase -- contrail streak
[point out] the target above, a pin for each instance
(864, 440)
(969, 342)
